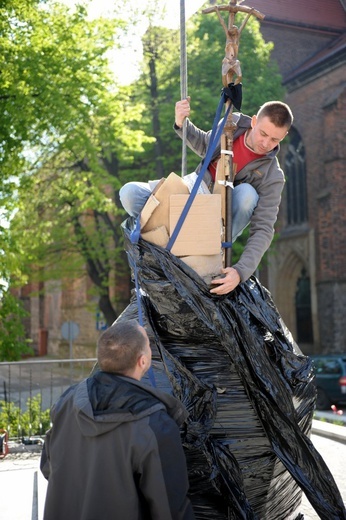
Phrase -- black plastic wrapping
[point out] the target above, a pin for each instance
(246, 384)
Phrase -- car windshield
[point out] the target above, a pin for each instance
(327, 366)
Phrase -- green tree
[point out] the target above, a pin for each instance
(49, 76)
(13, 344)
(68, 126)
(69, 215)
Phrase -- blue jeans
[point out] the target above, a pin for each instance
(134, 195)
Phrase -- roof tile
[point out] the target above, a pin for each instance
(328, 14)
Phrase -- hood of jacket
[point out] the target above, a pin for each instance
(104, 401)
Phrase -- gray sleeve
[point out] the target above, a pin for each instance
(261, 225)
(196, 139)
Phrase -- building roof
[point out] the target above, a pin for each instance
(327, 15)
(334, 52)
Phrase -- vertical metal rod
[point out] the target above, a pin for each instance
(30, 405)
(20, 404)
(183, 81)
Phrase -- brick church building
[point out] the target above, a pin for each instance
(307, 270)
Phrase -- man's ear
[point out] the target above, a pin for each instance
(253, 121)
(141, 361)
(143, 364)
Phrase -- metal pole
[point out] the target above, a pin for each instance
(70, 338)
(183, 81)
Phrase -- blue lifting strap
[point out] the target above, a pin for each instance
(135, 234)
(134, 237)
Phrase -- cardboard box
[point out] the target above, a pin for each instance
(156, 210)
(199, 241)
(157, 236)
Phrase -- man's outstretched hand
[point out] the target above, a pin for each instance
(182, 111)
(226, 284)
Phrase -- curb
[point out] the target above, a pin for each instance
(18, 448)
(329, 430)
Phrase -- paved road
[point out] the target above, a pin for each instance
(334, 455)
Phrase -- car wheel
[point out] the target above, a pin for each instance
(322, 402)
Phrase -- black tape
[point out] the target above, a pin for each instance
(234, 93)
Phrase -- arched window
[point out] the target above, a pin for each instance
(303, 309)
(295, 171)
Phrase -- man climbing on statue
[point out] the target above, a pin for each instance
(258, 180)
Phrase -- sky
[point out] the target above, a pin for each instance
(172, 19)
(125, 62)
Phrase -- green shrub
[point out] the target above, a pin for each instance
(19, 423)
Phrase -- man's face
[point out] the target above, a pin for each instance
(264, 135)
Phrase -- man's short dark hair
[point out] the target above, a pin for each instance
(119, 347)
(278, 113)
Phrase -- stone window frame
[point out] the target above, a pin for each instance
(296, 185)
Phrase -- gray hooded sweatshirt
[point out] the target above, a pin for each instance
(114, 453)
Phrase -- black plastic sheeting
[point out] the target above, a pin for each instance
(246, 384)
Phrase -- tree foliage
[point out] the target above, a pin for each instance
(49, 76)
(67, 127)
(13, 343)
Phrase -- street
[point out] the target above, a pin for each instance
(18, 472)
(334, 455)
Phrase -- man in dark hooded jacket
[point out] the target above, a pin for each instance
(114, 451)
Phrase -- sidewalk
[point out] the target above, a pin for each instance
(23, 488)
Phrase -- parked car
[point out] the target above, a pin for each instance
(330, 380)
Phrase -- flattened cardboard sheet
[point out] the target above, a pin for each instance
(200, 233)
